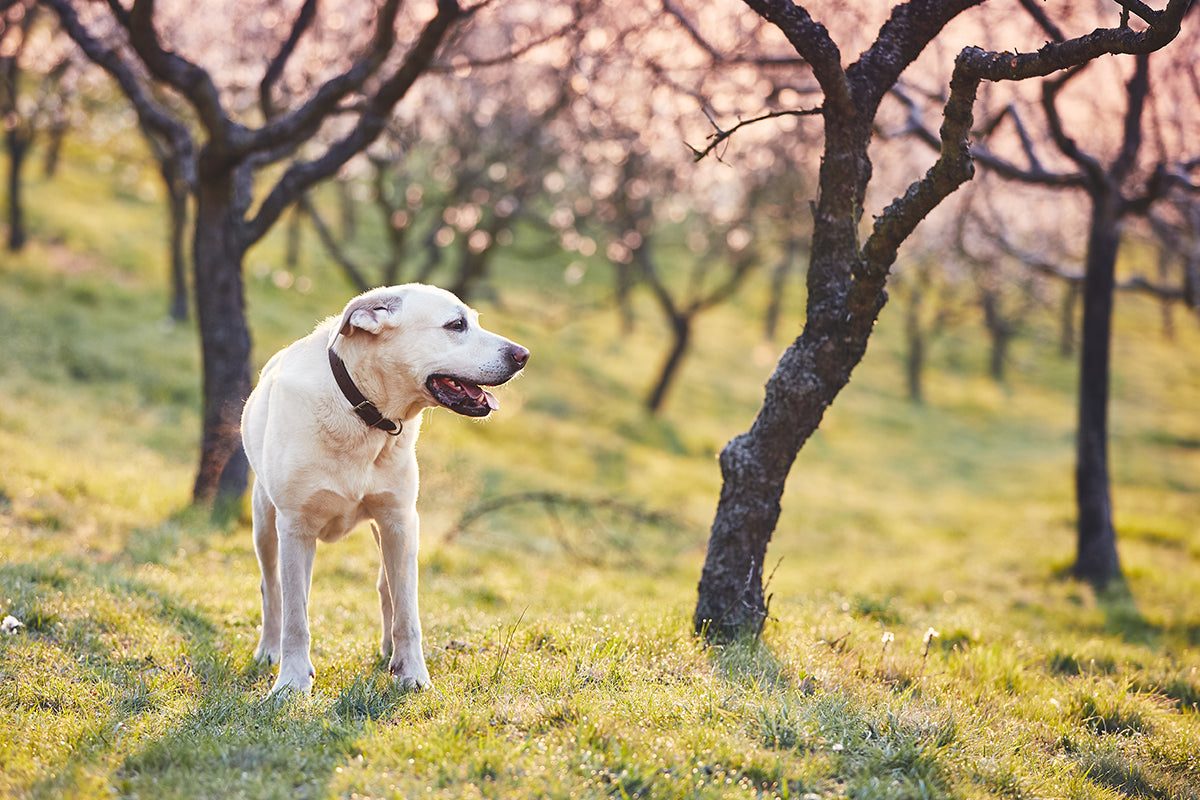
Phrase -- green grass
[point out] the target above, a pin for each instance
(558, 634)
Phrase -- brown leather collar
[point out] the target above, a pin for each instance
(365, 409)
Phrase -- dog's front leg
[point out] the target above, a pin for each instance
(385, 599)
(266, 548)
(398, 535)
(296, 553)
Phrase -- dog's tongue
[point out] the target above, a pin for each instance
(475, 392)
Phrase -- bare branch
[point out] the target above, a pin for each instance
(903, 37)
(303, 22)
(715, 54)
(1035, 173)
(1136, 91)
(284, 133)
(338, 253)
(1140, 10)
(150, 114)
(814, 44)
(1043, 19)
(190, 80)
(715, 139)
(302, 175)
(974, 65)
(513, 55)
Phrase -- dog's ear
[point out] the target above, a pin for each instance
(371, 313)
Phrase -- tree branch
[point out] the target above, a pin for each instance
(303, 22)
(1043, 20)
(302, 175)
(814, 44)
(1034, 173)
(715, 54)
(150, 114)
(283, 134)
(715, 139)
(1136, 92)
(954, 166)
(903, 37)
(191, 81)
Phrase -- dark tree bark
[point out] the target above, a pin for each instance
(846, 281)
(681, 340)
(224, 339)
(17, 142)
(1096, 553)
(19, 128)
(1001, 331)
(221, 175)
(1067, 327)
(914, 337)
(177, 203)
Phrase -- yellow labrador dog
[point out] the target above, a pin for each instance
(330, 432)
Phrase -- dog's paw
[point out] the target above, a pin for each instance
(410, 676)
(294, 680)
(265, 654)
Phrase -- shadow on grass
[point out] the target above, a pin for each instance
(146, 695)
(845, 742)
(1122, 616)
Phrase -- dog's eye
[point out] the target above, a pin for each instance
(458, 326)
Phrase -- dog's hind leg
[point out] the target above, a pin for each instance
(266, 547)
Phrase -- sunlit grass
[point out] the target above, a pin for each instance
(558, 636)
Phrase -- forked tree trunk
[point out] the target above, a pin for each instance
(1096, 558)
(681, 330)
(810, 373)
(225, 339)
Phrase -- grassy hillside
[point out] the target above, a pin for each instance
(558, 635)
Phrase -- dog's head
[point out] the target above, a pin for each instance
(424, 342)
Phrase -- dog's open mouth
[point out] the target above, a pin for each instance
(461, 397)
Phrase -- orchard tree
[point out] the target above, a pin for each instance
(846, 275)
(34, 69)
(223, 148)
(1122, 172)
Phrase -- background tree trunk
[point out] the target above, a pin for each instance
(177, 203)
(681, 330)
(225, 340)
(18, 146)
(1096, 559)
(915, 338)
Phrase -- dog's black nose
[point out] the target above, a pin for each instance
(519, 355)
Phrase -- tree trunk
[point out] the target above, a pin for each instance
(1066, 319)
(54, 141)
(225, 340)
(18, 146)
(624, 279)
(292, 239)
(177, 191)
(1096, 559)
(754, 469)
(778, 289)
(915, 337)
(681, 328)
(840, 314)
(1000, 332)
